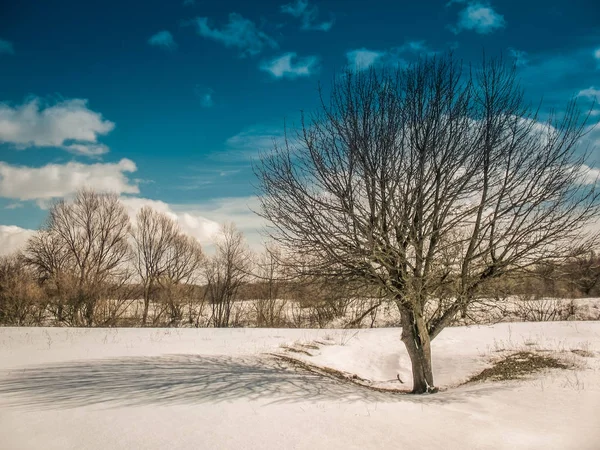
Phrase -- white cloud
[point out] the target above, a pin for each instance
(33, 124)
(308, 15)
(289, 66)
(60, 180)
(479, 17)
(6, 47)
(202, 220)
(239, 210)
(13, 238)
(556, 69)
(591, 93)
(597, 53)
(191, 223)
(87, 149)
(589, 175)
(521, 58)
(362, 58)
(252, 141)
(418, 47)
(209, 178)
(592, 138)
(239, 32)
(163, 39)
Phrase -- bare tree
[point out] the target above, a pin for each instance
(184, 260)
(46, 254)
(22, 301)
(85, 242)
(153, 236)
(225, 272)
(269, 278)
(167, 262)
(428, 182)
(583, 272)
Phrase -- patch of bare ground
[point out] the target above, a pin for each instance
(295, 350)
(309, 346)
(582, 352)
(518, 365)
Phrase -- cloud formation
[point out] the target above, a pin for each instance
(13, 238)
(251, 142)
(69, 125)
(191, 223)
(363, 58)
(163, 39)
(239, 33)
(308, 15)
(61, 180)
(561, 73)
(6, 47)
(202, 220)
(520, 57)
(478, 17)
(591, 93)
(290, 66)
(588, 175)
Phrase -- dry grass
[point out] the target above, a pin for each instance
(517, 366)
(583, 352)
(295, 350)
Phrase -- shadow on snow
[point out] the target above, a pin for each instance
(186, 379)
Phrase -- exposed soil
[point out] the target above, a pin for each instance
(295, 350)
(517, 366)
(583, 353)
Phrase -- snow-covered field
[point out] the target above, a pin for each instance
(65, 388)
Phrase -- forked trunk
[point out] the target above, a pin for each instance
(416, 339)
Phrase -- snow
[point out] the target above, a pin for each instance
(63, 388)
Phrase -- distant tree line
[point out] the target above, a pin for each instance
(90, 265)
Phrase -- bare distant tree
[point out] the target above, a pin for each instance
(225, 272)
(269, 277)
(583, 272)
(184, 260)
(84, 241)
(153, 235)
(166, 260)
(46, 254)
(429, 182)
(22, 301)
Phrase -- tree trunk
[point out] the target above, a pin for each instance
(60, 312)
(89, 313)
(416, 339)
(146, 305)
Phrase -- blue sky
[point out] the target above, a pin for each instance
(167, 103)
